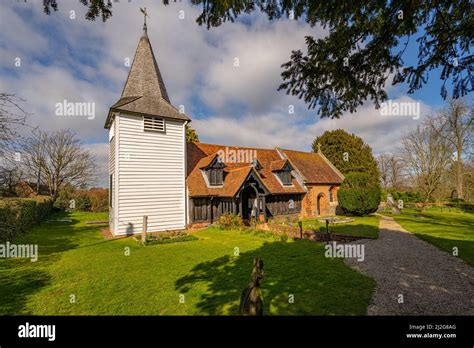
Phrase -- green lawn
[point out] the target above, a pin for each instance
(366, 226)
(75, 260)
(444, 228)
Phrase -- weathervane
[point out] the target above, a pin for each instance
(145, 14)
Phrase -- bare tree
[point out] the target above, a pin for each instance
(454, 124)
(34, 148)
(397, 171)
(383, 164)
(58, 159)
(469, 180)
(9, 179)
(391, 169)
(427, 155)
(12, 116)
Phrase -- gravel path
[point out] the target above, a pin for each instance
(431, 281)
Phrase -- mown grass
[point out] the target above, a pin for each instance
(445, 228)
(366, 226)
(75, 261)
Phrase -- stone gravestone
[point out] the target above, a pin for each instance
(251, 300)
(391, 204)
(396, 209)
(389, 201)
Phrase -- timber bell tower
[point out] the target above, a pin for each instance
(147, 151)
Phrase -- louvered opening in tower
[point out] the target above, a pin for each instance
(155, 124)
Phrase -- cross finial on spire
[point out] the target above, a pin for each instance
(319, 147)
(145, 14)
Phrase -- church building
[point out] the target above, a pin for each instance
(154, 172)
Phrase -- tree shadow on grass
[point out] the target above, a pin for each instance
(319, 285)
(55, 236)
(363, 230)
(18, 282)
(465, 248)
(444, 222)
(464, 219)
(19, 279)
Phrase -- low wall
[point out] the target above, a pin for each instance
(280, 230)
(285, 218)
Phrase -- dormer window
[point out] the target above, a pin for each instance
(285, 176)
(215, 172)
(215, 176)
(282, 168)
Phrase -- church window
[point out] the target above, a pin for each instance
(285, 177)
(215, 173)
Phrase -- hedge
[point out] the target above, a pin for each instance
(413, 197)
(18, 214)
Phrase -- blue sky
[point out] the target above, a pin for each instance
(78, 60)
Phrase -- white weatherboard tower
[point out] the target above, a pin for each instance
(147, 156)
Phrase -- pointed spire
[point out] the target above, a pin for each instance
(145, 91)
(144, 77)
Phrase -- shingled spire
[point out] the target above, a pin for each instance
(144, 91)
(144, 78)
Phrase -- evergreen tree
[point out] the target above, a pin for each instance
(348, 152)
(358, 195)
(191, 134)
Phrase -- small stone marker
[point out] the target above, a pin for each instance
(389, 201)
(396, 211)
(391, 205)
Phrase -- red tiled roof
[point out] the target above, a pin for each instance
(314, 167)
(206, 161)
(278, 165)
(198, 155)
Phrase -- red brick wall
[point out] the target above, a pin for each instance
(310, 201)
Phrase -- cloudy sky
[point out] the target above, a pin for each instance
(48, 59)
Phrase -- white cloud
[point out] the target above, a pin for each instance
(19, 39)
(79, 60)
(43, 87)
(259, 51)
(382, 133)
